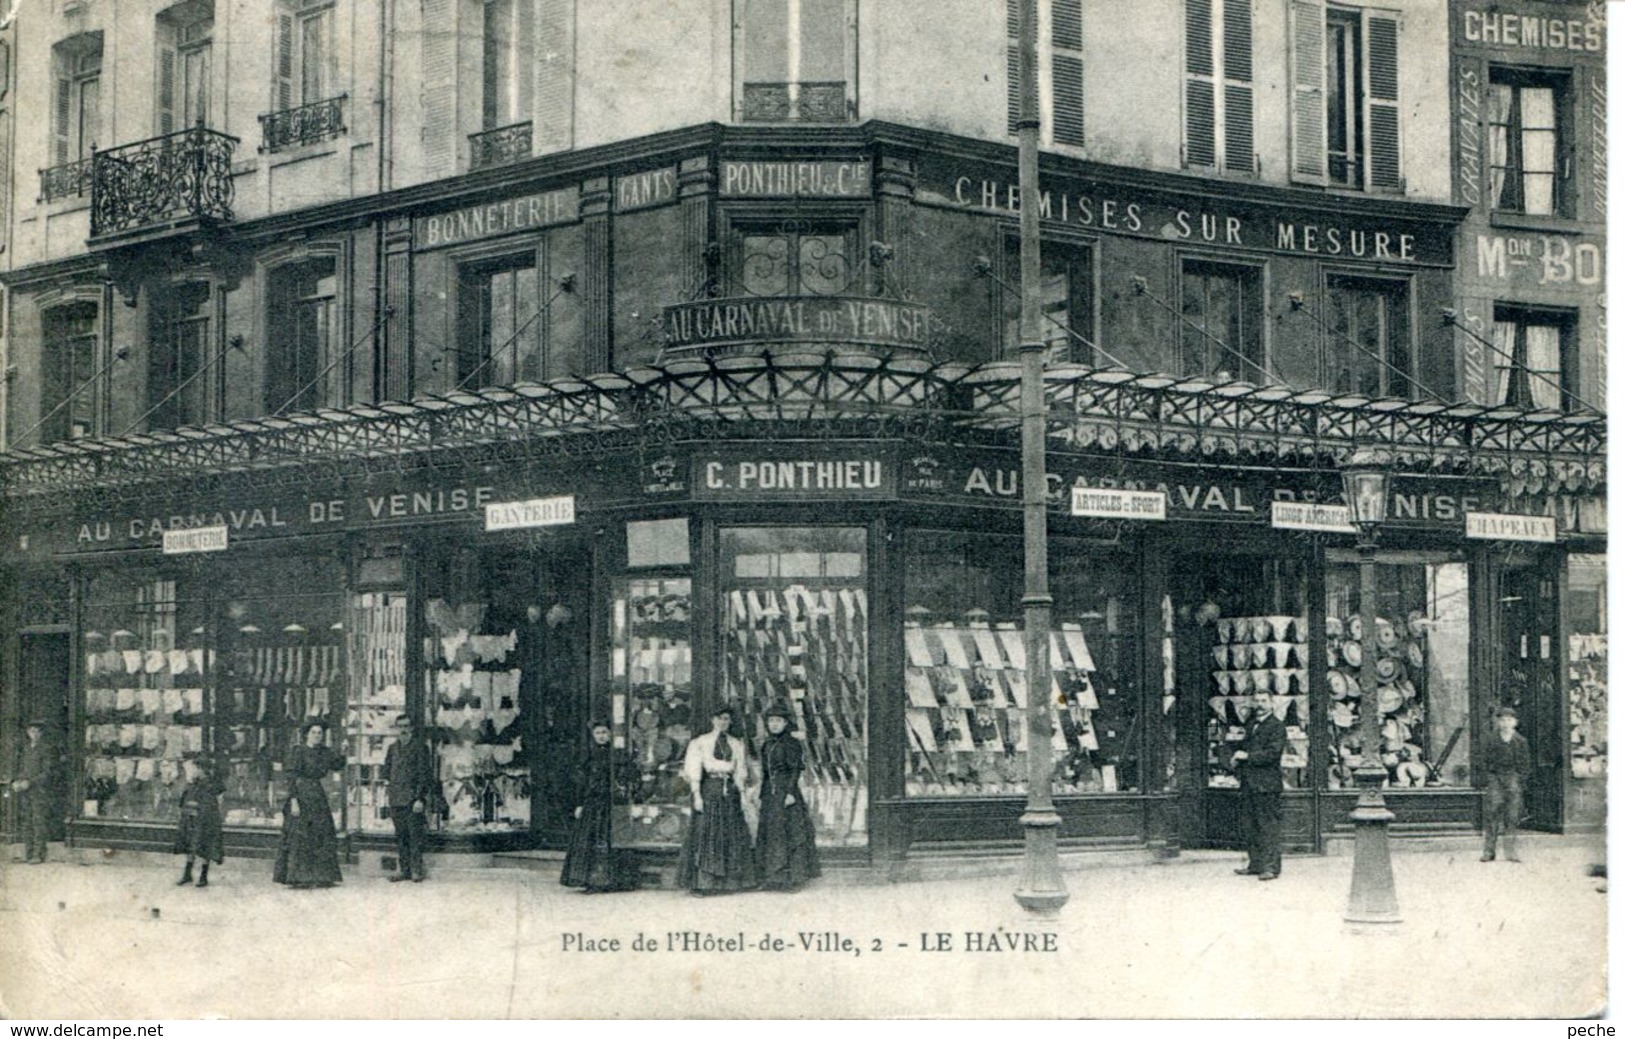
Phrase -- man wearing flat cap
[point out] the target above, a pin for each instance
(31, 782)
(409, 769)
(1506, 766)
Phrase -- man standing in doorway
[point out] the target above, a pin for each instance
(1258, 763)
(409, 770)
(32, 784)
(1506, 764)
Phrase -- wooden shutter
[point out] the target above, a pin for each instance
(1066, 71)
(63, 119)
(438, 70)
(1308, 31)
(284, 62)
(553, 115)
(1200, 111)
(166, 88)
(1382, 102)
(1012, 65)
(1238, 86)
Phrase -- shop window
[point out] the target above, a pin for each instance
(1345, 96)
(1421, 649)
(965, 668)
(1586, 605)
(71, 393)
(1368, 345)
(652, 701)
(183, 381)
(657, 543)
(76, 118)
(305, 56)
(304, 365)
(1534, 355)
(1221, 331)
(1219, 85)
(1528, 146)
(796, 259)
(506, 64)
(185, 62)
(1067, 291)
(796, 61)
(1060, 70)
(499, 323)
(794, 626)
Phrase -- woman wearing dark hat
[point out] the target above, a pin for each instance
(591, 861)
(309, 853)
(785, 851)
(717, 856)
(199, 836)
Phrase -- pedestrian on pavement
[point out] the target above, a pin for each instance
(1258, 763)
(309, 853)
(717, 857)
(785, 852)
(31, 781)
(409, 771)
(201, 835)
(1506, 764)
(592, 862)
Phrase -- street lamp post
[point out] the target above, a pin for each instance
(1371, 892)
(1041, 890)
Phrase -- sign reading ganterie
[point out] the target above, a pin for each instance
(1110, 504)
(798, 319)
(195, 539)
(769, 179)
(770, 472)
(537, 512)
(525, 213)
(1301, 515)
(1500, 526)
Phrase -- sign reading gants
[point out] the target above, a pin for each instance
(885, 323)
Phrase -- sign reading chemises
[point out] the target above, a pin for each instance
(1500, 526)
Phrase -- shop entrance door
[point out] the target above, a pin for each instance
(43, 679)
(1530, 658)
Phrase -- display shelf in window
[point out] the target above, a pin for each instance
(377, 653)
(144, 723)
(471, 680)
(1588, 705)
(652, 671)
(1250, 655)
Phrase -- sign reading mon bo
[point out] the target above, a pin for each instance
(798, 319)
(525, 213)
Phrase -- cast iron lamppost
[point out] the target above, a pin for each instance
(1041, 890)
(1371, 893)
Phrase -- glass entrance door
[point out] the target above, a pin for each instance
(1529, 683)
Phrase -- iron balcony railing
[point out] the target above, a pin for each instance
(795, 103)
(499, 147)
(307, 124)
(69, 180)
(178, 177)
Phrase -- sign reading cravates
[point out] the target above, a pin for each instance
(195, 539)
(537, 512)
(1109, 504)
(1501, 526)
(1302, 515)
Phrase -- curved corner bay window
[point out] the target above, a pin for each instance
(795, 629)
(1587, 604)
(965, 668)
(1420, 647)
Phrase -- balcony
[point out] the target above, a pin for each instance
(69, 180)
(795, 103)
(307, 124)
(499, 147)
(163, 183)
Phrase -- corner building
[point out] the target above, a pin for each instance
(523, 362)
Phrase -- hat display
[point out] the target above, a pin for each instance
(1352, 654)
(1338, 683)
(1388, 669)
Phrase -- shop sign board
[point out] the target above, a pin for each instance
(1502, 526)
(645, 190)
(505, 216)
(195, 539)
(771, 472)
(537, 512)
(776, 179)
(1531, 27)
(1302, 515)
(1102, 503)
(798, 319)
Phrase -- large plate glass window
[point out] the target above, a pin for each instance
(1586, 603)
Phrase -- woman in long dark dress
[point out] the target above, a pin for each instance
(591, 861)
(785, 851)
(200, 835)
(717, 856)
(309, 853)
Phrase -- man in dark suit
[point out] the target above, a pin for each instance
(1506, 767)
(409, 770)
(32, 783)
(1258, 764)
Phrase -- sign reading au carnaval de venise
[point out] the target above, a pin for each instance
(797, 319)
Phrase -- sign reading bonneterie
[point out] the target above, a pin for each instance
(490, 219)
(797, 319)
(195, 539)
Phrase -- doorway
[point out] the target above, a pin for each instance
(43, 679)
(1527, 608)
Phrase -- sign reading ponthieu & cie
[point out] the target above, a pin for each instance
(772, 179)
(195, 539)
(798, 319)
(1500, 526)
(537, 512)
(1110, 504)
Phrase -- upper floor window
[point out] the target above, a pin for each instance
(1221, 331)
(796, 60)
(306, 69)
(304, 368)
(183, 382)
(185, 55)
(1067, 291)
(499, 323)
(1219, 85)
(70, 398)
(795, 259)
(1345, 96)
(1060, 69)
(76, 120)
(1528, 155)
(1369, 347)
(1535, 357)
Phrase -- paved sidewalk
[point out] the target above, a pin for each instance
(1184, 939)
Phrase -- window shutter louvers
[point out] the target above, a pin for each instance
(439, 85)
(284, 62)
(1382, 102)
(1012, 65)
(1308, 91)
(1238, 86)
(1200, 148)
(1066, 71)
(554, 128)
(166, 90)
(64, 118)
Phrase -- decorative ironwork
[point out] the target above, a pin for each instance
(69, 180)
(801, 395)
(180, 176)
(307, 124)
(823, 102)
(499, 147)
